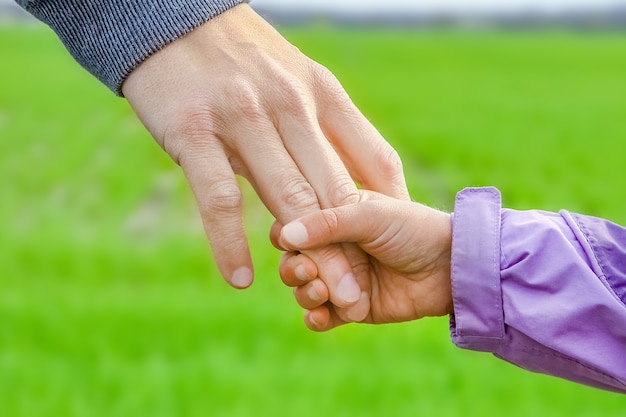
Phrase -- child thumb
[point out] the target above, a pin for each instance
(324, 227)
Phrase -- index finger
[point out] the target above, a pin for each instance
(219, 200)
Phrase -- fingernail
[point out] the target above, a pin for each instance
(359, 311)
(295, 233)
(313, 295)
(309, 315)
(300, 272)
(348, 290)
(241, 278)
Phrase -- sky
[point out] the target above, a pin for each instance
(369, 6)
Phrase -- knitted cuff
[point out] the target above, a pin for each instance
(111, 38)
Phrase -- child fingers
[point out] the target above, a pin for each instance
(322, 318)
(296, 269)
(275, 235)
(312, 294)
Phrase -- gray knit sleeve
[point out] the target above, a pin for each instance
(112, 37)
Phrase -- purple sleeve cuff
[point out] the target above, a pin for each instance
(544, 291)
(478, 321)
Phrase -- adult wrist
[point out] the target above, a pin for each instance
(111, 38)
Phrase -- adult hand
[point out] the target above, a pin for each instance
(234, 97)
(409, 247)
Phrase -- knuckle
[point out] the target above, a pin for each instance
(323, 75)
(293, 93)
(388, 162)
(327, 83)
(222, 198)
(342, 191)
(189, 130)
(245, 101)
(296, 192)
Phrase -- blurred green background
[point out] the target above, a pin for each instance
(110, 303)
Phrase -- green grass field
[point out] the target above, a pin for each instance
(110, 304)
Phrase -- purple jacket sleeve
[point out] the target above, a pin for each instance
(544, 291)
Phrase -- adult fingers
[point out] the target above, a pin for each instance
(219, 199)
(315, 157)
(334, 186)
(288, 194)
(272, 172)
(371, 160)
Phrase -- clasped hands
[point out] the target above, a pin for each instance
(233, 97)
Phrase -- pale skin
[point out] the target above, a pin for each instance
(408, 248)
(233, 97)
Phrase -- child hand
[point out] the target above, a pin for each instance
(406, 249)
